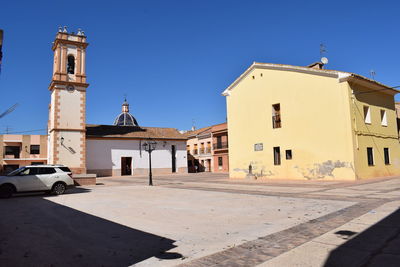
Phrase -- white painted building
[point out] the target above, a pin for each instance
(118, 150)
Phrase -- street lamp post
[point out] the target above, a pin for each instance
(149, 146)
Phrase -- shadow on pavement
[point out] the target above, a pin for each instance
(35, 231)
(379, 245)
(74, 190)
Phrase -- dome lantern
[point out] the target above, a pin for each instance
(125, 118)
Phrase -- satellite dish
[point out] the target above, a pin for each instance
(324, 60)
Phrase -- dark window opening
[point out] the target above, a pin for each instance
(126, 165)
(367, 114)
(277, 155)
(220, 161)
(173, 157)
(35, 149)
(383, 118)
(386, 155)
(370, 156)
(71, 65)
(219, 141)
(13, 150)
(37, 163)
(276, 116)
(289, 154)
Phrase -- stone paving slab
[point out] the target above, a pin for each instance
(358, 252)
(262, 188)
(263, 249)
(346, 192)
(211, 221)
(201, 222)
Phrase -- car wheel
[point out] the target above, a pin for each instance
(58, 189)
(6, 191)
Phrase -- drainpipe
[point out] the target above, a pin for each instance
(355, 118)
(344, 77)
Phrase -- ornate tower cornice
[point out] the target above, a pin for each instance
(64, 44)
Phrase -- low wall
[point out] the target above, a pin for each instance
(84, 179)
(138, 171)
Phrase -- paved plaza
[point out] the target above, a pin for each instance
(205, 220)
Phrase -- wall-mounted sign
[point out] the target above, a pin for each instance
(258, 147)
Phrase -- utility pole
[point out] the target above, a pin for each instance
(1, 46)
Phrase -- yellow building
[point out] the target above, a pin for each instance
(310, 123)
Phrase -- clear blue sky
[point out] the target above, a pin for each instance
(174, 58)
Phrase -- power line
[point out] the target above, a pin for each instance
(9, 110)
(24, 131)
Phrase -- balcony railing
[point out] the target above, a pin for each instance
(222, 145)
(276, 121)
(201, 150)
(208, 150)
(11, 156)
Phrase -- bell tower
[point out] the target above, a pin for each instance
(67, 123)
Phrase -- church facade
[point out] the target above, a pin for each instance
(104, 150)
(118, 150)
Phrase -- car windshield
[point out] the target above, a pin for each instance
(14, 172)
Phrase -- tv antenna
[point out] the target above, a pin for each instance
(193, 125)
(322, 51)
(8, 129)
(372, 73)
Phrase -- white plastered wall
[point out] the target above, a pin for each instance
(51, 112)
(70, 109)
(70, 150)
(106, 154)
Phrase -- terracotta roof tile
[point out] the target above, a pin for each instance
(111, 131)
(196, 132)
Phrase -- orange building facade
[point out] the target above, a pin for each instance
(207, 149)
(220, 147)
(20, 150)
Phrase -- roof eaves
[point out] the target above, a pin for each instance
(197, 132)
(243, 75)
(329, 73)
(357, 76)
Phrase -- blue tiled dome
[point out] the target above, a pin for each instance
(125, 118)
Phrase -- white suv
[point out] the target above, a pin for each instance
(51, 178)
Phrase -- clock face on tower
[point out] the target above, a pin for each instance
(70, 88)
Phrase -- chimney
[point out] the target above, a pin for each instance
(316, 65)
